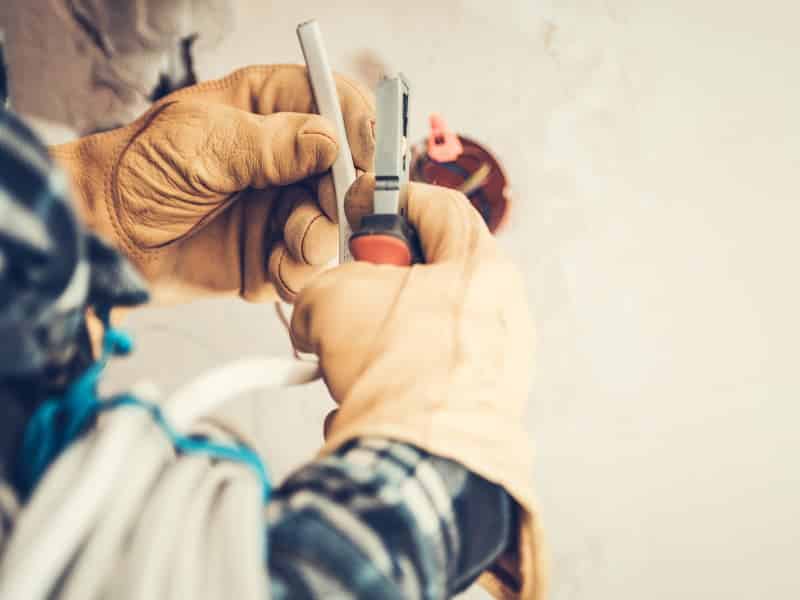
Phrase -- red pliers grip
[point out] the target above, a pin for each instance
(386, 239)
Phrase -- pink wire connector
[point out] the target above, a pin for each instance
(443, 144)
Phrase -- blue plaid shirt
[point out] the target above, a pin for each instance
(382, 519)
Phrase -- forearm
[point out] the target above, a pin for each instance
(381, 519)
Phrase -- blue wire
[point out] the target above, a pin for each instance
(192, 445)
(61, 420)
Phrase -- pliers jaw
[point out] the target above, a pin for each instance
(392, 156)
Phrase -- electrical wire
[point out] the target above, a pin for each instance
(130, 518)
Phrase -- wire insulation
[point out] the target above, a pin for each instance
(123, 480)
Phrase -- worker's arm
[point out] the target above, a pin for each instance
(381, 519)
(437, 355)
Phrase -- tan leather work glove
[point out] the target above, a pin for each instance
(436, 355)
(214, 191)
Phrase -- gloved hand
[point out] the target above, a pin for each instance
(436, 355)
(214, 191)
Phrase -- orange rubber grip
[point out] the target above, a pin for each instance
(381, 250)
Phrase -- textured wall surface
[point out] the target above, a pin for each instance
(653, 150)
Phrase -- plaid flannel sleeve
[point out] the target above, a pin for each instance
(382, 519)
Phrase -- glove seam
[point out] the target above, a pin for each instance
(114, 200)
(283, 282)
(305, 237)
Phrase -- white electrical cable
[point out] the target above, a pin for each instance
(101, 550)
(214, 388)
(144, 570)
(324, 86)
(102, 489)
(28, 572)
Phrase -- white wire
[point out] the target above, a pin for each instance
(91, 498)
(238, 526)
(46, 499)
(343, 170)
(29, 572)
(146, 564)
(216, 387)
(102, 549)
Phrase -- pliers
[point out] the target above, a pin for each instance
(385, 236)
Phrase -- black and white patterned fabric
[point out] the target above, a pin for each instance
(51, 270)
(382, 519)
